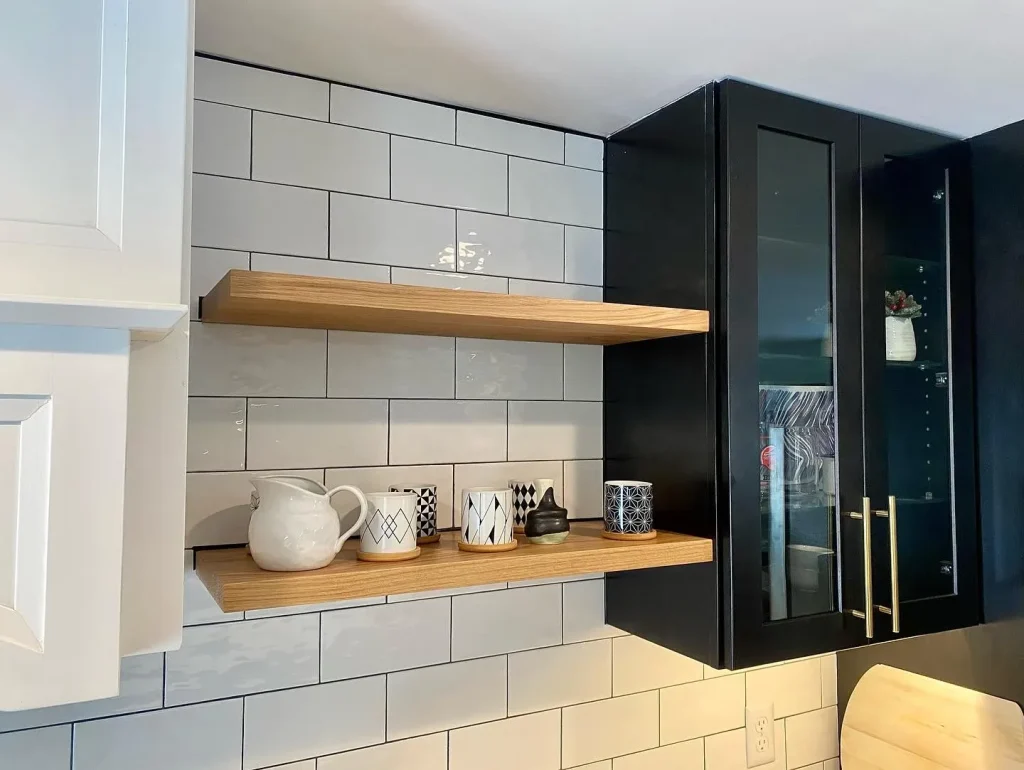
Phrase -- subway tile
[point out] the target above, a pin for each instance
(584, 489)
(605, 764)
(584, 372)
(228, 360)
(536, 740)
(688, 755)
(141, 689)
(299, 432)
(710, 672)
(206, 735)
(609, 728)
(572, 196)
(46, 749)
(559, 579)
(392, 232)
(640, 665)
(519, 248)
(505, 369)
(216, 434)
(792, 687)
(584, 151)
(426, 700)
(830, 764)
(701, 708)
(254, 216)
(276, 263)
(207, 267)
(559, 676)
(199, 606)
(362, 365)
(217, 507)
(584, 255)
(812, 737)
(506, 621)
(259, 89)
(583, 612)
(555, 290)
(456, 281)
(392, 114)
(312, 154)
(384, 638)
(443, 175)
(303, 609)
(509, 137)
(499, 475)
(417, 595)
(382, 478)
(289, 725)
(550, 430)
(427, 752)
(229, 659)
(221, 139)
(728, 751)
(306, 764)
(829, 683)
(820, 765)
(446, 432)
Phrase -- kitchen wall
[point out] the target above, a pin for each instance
(294, 174)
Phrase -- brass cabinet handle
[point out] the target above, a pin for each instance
(869, 591)
(894, 565)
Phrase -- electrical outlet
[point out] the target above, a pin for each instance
(760, 735)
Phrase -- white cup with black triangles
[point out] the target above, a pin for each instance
(389, 532)
(487, 515)
(426, 511)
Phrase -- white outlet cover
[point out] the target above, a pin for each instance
(760, 733)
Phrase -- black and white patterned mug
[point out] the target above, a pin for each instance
(426, 510)
(628, 507)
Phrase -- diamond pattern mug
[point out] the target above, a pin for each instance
(390, 526)
(426, 510)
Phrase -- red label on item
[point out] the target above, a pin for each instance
(767, 456)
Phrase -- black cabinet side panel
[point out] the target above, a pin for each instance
(659, 401)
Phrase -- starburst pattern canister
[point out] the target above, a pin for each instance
(628, 507)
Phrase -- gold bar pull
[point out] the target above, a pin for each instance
(894, 565)
(869, 590)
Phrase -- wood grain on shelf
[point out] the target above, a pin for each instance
(236, 583)
(311, 302)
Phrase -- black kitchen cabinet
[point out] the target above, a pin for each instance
(783, 433)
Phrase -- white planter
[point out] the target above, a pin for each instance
(900, 343)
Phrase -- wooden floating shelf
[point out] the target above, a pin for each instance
(310, 302)
(236, 583)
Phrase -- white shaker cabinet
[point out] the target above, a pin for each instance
(95, 162)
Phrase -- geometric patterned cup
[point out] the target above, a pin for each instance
(426, 510)
(390, 526)
(487, 517)
(525, 497)
(628, 507)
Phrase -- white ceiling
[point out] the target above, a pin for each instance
(598, 65)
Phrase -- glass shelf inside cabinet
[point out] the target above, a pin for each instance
(918, 265)
(922, 364)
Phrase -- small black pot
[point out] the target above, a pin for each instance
(548, 523)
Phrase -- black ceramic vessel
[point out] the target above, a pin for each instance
(548, 523)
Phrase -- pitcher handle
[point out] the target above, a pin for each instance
(362, 512)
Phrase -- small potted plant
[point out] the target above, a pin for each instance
(900, 310)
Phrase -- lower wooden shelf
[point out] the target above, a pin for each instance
(236, 583)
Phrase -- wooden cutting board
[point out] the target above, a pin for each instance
(901, 721)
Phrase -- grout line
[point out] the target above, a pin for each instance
(252, 121)
(71, 758)
(241, 757)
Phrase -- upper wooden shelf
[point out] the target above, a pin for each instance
(310, 302)
(236, 583)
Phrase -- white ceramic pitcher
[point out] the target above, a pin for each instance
(294, 526)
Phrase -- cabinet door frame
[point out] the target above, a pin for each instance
(879, 139)
(753, 640)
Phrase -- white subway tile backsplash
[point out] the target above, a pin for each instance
(728, 751)
(428, 752)
(208, 267)
(536, 739)
(288, 725)
(584, 489)
(559, 676)
(361, 365)
(264, 655)
(701, 708)
(555, 290)
(220, 139)
(455, 281)
(298, 432)
(583, 612)
(507, 369)
(792, 687)
(584, 373)
(640, 665)
(417, 595)
(303, 609)
(447, 432)
(584, 255)
(584, 151)
(46, 749)
(509, 137)
(444, 175)
(276, 263)
(829, 764)
(392, 232)
(385, 637)
(206, 735)
(199, 606)
(520, 248)
(309, 153)
(219, 81)
(392, 114)
(553, 193)
(609, 728)
(688, 755)
(506, 621)
(500, 474)
(382, 478)
(306, 764)
(829, 683)
(605, 764)
(216, 434)
(812, 737)
(427, 700)
(550, 430)
(255, 216)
